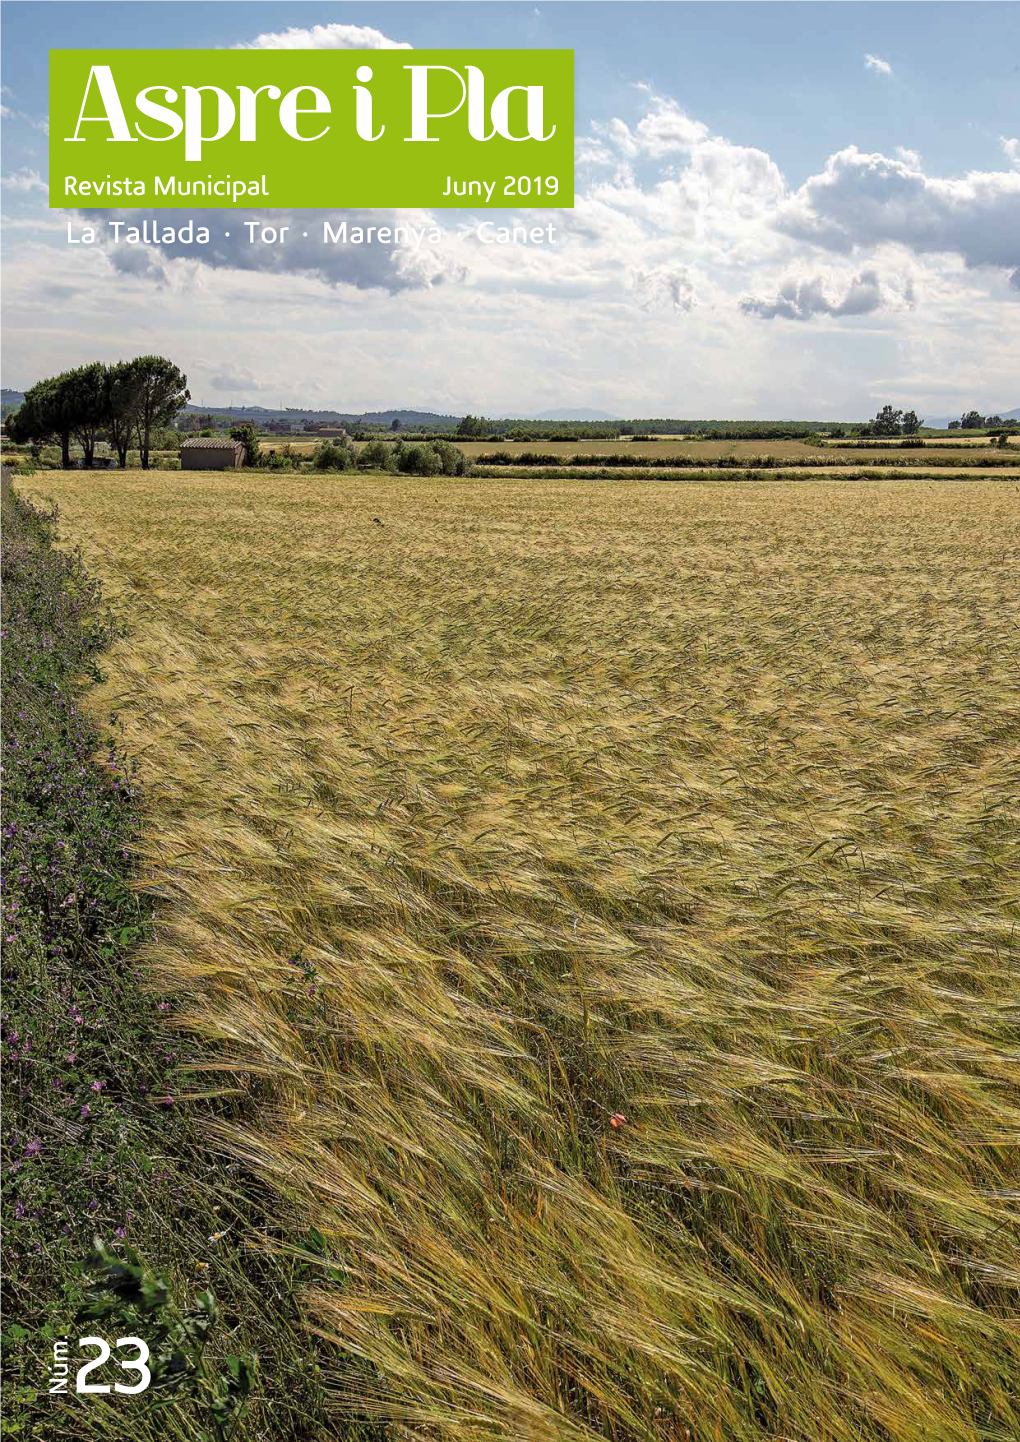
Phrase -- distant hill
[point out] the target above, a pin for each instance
(573, 415)
(941, 423)
(409, 420)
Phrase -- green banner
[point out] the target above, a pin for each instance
(312, 128)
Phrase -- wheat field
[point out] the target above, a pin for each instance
(604, 897)
(693, 449)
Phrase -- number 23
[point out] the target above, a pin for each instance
(137, 1365)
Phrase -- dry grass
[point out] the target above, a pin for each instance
(541, 804)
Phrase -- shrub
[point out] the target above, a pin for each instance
(526, 458)
(419, 460)
(333, 456)
(431, 458)
(376, 456)
(249, 438)
(452, 460)
(165, 438)
(281, 460)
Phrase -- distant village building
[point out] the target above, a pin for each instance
(333, 432)
(211, 453)
(192, 421)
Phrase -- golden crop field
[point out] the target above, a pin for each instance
(674, 447)
(865, 469)
(702, 450)
(606, 897)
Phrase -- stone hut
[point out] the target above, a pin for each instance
(211, 453)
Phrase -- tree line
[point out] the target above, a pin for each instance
(893, 422)
(479, 428)
(428, 458)
(975, 421)
(122, 403)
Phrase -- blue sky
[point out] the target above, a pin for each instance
(764, 213)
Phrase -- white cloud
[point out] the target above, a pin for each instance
(876, 63)
(508, 345)
(397, 263)
(1012, 150)
(235, 379)
(24, 181)
(668, 128)
(811, 296)
(682, 246)
(324, 37)
(590, 151)
(676, 218)
(664, 289)
(862, 200)
(37, 123)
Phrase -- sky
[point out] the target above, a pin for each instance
(782, 210)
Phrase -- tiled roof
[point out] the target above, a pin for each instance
(207, 443)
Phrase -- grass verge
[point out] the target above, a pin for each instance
(115, 1218)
